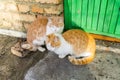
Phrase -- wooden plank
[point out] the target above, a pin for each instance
(66, 13)
(69, 15)
(90, 12)
(108, 15)
(78, 12)
(84, 13)
(117, 31)
(114, 18)
(101, 15)
(73, 13)
(96, 36)
(95, 14)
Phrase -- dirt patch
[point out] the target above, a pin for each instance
(106, 65)
(13, 67)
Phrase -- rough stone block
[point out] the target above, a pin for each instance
(54, 9)
(11, 7)
(37, 9)
(23, 8)
(49, 1)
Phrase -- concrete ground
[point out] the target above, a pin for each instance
(47, 66)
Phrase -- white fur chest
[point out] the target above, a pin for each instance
(64, 49)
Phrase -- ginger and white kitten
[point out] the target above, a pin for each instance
(42, 26)
(76, 43)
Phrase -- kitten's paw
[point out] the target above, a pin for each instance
(41, 49)
(26, 46)
(29, 47)
(18, 50)
(61, 56)
(15, 52)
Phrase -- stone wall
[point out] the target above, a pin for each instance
(17, 14)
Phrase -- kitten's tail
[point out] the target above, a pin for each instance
(81, 61)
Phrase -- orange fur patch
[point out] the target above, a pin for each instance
(37, 29)
(78, 39)
(53, 40)
(81, 42)
(57, 21)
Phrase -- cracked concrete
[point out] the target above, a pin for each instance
(47, 66)
(106, 66)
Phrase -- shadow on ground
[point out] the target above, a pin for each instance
(47, 66)
(13, 67)
(53, 68)
(106, 66)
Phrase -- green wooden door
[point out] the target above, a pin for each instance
(94, 16)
